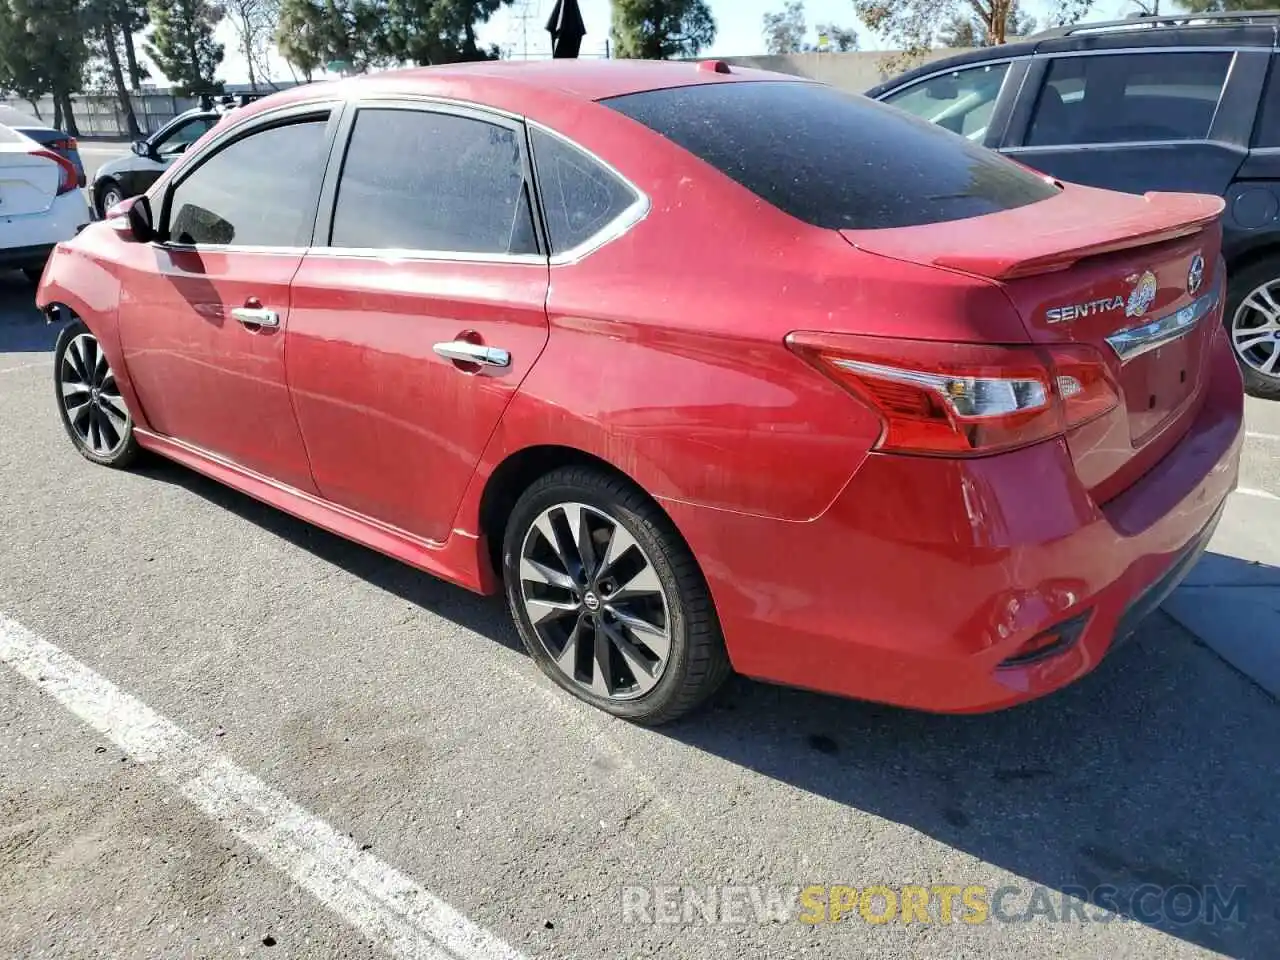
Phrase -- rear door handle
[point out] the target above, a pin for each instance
(256, 316)
(467, 352)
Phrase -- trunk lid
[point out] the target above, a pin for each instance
(28, 184)
(1135, 277)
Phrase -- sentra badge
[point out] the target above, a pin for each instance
(1195, 275)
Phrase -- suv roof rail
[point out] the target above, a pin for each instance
(1145, 21)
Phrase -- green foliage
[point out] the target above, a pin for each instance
(182, 44)
(661, 29)
(785, 32)
(437, 31)
(965, 30)
(43, 48)
(312, 33)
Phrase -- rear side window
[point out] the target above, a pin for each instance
(260, 190)
(580, 196)
(835, 159)
(1267, 131)
(1129, 98)
(437, 182)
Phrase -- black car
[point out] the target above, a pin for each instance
(1186, 102)
(132, 175)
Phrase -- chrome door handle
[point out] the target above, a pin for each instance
(468, 352)
(256, 316)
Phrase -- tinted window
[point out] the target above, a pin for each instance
(1267, 131)
(414, 180)
(962, 101)
(179, 138)
(579, 195)
(260, 191)
(1129, 97)
(834, 159)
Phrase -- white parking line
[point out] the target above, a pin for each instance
(1262, 436)
(384, 904)
(23, 366)
(1251, 492)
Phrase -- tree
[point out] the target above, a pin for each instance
(132, 17)
(910, 25)
(1216, 6)
(43, 50)
(255, 23)
(964, 30)
(437, 31)
(840, 39)
(784, 31)
(661, 29)
(182, 43)
(102, 25)
(312, 33)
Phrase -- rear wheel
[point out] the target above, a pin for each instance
(1253, 320)
(608, 599)
(93, 412)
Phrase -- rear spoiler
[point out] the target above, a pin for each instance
(1048, 236)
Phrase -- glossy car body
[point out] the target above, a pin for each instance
(676, 348)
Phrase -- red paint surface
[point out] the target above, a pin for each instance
(833, 565)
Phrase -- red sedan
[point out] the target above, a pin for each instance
(707, 368)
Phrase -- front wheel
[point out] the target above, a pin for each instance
(92, 410)
(1253, 320)
(608, 599)
(109, 194)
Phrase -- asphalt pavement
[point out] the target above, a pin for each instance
(225, 733)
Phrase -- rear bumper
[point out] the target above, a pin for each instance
(26, 240)
(926, 574)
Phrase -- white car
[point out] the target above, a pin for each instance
(41, 203)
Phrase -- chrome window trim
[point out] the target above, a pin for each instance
(1124, 144)
(1135, 341)
(616, 228)
(427, 256)
(228, 248)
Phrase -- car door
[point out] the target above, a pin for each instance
(205, 310)
(418, 311)
(1138, 120)
(167, 145)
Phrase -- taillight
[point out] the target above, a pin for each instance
(962, 399)
(68, 178)
(69, 143)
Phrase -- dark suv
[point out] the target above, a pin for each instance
(1187, 102)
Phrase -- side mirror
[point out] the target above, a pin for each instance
(142, 148)
(141, 226)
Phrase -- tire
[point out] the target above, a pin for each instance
(1248, 310)
(89, 403)
(107, 190)
(658, 592)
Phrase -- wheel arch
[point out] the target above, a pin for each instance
(519, 470)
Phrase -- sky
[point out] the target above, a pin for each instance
(739, 28)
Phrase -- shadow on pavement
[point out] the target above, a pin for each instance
(22, 327)
(1157, 773)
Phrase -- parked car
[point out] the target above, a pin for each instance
(1184, 102)
(40, 202)
(63, 144)
(702, 373)
(151, 156)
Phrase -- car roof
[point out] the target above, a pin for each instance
(1231, 29)
(511, 84)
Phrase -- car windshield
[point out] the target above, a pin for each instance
(835, 159)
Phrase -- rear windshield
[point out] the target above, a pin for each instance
(834, 159)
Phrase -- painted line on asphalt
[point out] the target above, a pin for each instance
(1251, 492)
(24, 366)
(1262, 436)
(385, 905)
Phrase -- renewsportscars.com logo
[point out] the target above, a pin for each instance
(945, 903)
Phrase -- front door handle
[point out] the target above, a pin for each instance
(467, 352)
(256, 316)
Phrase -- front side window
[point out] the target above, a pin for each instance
(435, 182)
(580, 197)
(179, 138)
(962, 100)
(1266, 132)
(1128, 98)
(834, 159)
(260, 190)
